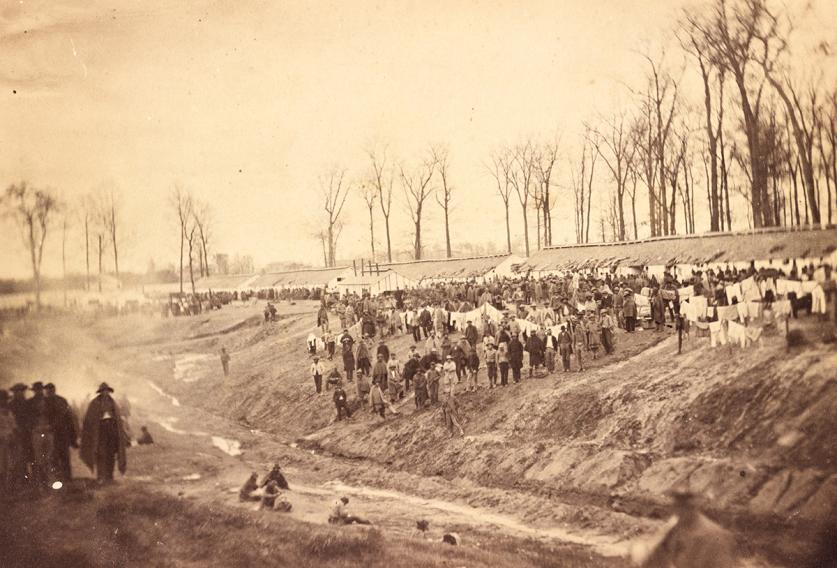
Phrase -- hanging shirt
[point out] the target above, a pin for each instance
(737, 334)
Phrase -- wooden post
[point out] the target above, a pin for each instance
(354, 268)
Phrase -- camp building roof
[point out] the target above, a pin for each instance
(303, 277)
(446, 268)
(223, 281)
(765, 244)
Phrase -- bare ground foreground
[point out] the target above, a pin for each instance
(568, 470)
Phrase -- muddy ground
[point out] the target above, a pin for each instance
(566, 470)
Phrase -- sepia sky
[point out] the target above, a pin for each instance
(246, 103)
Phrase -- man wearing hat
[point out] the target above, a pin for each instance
(103, 436)
(694, 541)
(8, 432)
(317, 371)
(42, 419)
(65, 431)
(22, 448)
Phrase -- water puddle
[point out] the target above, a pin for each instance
(163, 393)
(474, 516)
(186, 365)
(230, 447)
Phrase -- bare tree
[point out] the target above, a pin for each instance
(64, 225)
(190, 239)
(416, 186)
(370, 195)
(440, 156)
(32, 209)
(615, 147)
(110, 218)
(522, 172)
(546, 157)
(500, 170)
(202, 215)
(582, 182)
(732, 36)
(334, 189)
(827, 130)
(85, 212)
(183, 204)
(662, 98)
(770, 36)
(383, 177)
(694, 42)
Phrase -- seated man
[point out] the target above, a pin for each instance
(145, 437)
(276, 475)
(249, 491)
(340, 514)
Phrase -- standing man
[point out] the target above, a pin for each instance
(8, 431)
(22, 446)
(225, 361)
(380, 373)
(317, 371)
(347, 343)
(565, 347)
(65, 430)
(608, 324)
(340, 402)
(515, 357)
(103, 436)
(451, 377)
(471, 334)
(491, 364)
(629, 309)
(503, 362)
(43, 436)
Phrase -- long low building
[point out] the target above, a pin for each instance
(767, 247)
(455, 269)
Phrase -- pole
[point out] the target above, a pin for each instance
(679, 334)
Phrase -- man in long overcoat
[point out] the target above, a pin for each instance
(103, 438)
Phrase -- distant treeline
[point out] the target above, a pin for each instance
(77, 281)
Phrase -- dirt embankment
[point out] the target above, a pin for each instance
(752, 429)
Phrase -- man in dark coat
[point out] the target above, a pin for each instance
(103, 436)
(362, 357)
(383, 350)
(22, 447)
(471, 334)
(65, 431)
(347, 342)
(380, 372)
(658, 310)
(565, 347)
(42, 419)
(426, 321)
(340, 402)
(515, 357)
(411, 367)
(629, 310)
(535, 348)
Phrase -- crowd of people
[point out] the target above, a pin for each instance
(507, 327)
(37, 432)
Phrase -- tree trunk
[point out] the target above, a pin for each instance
(417, 241)
(101, 250)
(389, 244)
(508, 230)
(372, 232)
(182, 238)
(191, 264)
(447, 234)
(113, 239)
(36, 269)
(526, 230)
(87, 252)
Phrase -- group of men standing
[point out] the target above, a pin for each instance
(37, 432)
